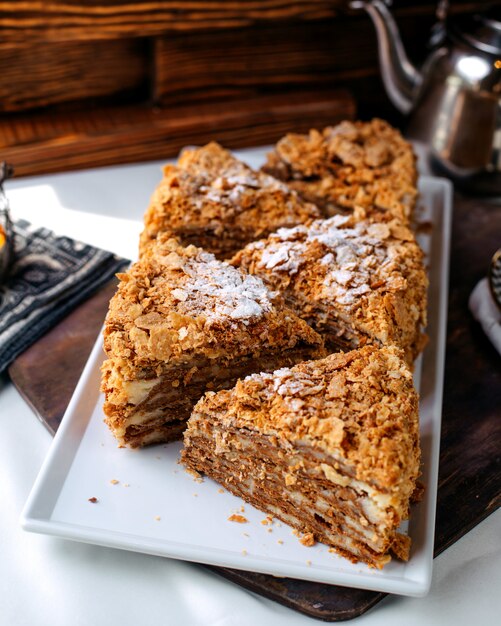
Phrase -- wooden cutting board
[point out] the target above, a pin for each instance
(470, 458)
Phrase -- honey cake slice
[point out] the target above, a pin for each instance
(212, 200)
(354, 281)
(364, 166)
(182, 322)
(330, 447)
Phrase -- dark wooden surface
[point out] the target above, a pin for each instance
(470, 458)
(87, 83)
(243, 62)
(74, 20)
(47, 373)
(276, 57)
(35, 76)
(63, 20)
(48, 142)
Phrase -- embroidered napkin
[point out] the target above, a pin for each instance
(486, 312)
(49, 277)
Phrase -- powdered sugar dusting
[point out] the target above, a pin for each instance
(281, 259)
(351, 256)
(216, 291)
(290, 385)
(234, 186)
(285, 384)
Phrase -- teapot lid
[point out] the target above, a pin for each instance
(480, 30)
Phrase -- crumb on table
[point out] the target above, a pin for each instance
(308, 540)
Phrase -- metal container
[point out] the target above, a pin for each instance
(454, 99)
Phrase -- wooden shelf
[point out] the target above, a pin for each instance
(47, 142)
(90, 83)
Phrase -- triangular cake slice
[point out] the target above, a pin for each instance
(330, 447)
(212, 200)
(355, 281)
(354, 165)
(183, 322)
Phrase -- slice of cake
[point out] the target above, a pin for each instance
(355, 165)
(183, 322)
(330, 447)
(214, 201)
(355, 281)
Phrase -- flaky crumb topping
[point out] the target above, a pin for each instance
(360, 407)
(351, 258)
(365, 272)
(354, 164)
(177, 301)
(210, 188)
(369, 272)
(208, 288)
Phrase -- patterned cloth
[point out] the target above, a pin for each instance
(486, 312)
(49, 277)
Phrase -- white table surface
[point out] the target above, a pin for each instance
(50, 581)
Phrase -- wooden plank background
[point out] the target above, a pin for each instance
(87, 83)
(40, 144)
(93, 19)
(34, 75)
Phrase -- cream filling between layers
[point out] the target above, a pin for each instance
(336, 324)
(341, 522)
(319, 505)
(374, 503)
(377, 502)
(383, 500)
(135, 399)
(138, 390)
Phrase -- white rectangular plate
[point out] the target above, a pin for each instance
(157, 508)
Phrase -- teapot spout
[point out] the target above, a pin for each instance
(401, 79)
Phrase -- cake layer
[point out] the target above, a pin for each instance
(143, 406)
(157, 431)
(348, 167)
(214, 201)
(334, 514)
(183, 322)
(355, 281)
(330, 447)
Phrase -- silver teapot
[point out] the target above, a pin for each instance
(454, 99)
